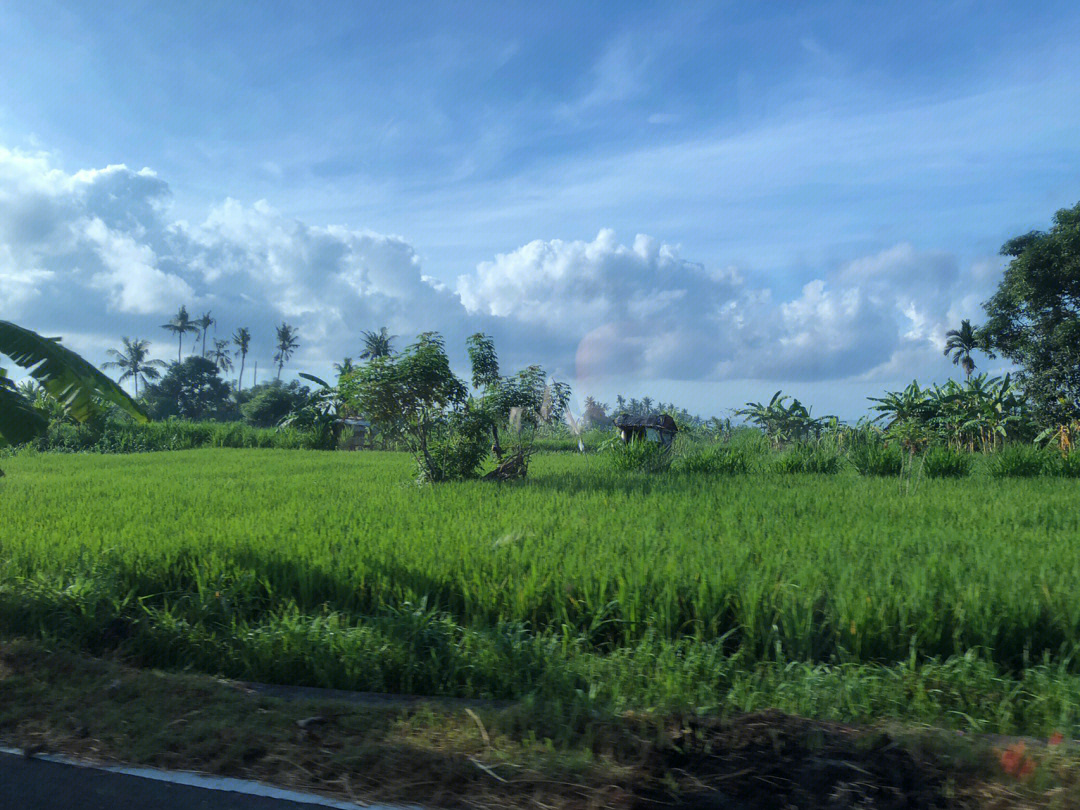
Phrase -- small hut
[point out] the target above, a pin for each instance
(660, 428)
(360, 431)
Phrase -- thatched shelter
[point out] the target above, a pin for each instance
(660, 428)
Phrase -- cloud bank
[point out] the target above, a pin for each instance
(95, 254)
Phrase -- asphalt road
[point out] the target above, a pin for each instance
(34, 784)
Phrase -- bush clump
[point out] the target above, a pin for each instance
(1069, 466)
(638, 456)
(714, 461)
(1019, 461)
(877, 458)
(809, 458)
(945, 462)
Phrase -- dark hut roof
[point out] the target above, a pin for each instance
(658, 422)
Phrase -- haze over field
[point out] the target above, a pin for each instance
(704, 203)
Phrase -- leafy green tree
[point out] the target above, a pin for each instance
(192, 390)
(1034, 316)
(203, 324)
(267, 404)
(75, 385)
(242, 340)
(180, 325)
(287, 343)
(377, 344)
(134, 362)
(960, 343)
(417, 394)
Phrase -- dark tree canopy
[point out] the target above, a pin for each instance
(1034, 317)
(267, 404)
(193, 390)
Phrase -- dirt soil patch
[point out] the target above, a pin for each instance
(773, 760)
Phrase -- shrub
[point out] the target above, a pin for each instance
(1019, 461)
(716, 460)
(266, 405)
(809, 458)
(456, 449)
(1069, 465)
(944, 462)
(638, 456)
(877, 458)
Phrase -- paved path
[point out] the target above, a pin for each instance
(34, 784)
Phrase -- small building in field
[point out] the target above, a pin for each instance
(357, 432)
(660, 428)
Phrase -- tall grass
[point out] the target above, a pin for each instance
(331, 569)
(128, 437)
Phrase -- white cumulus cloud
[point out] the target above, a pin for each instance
(96, 254)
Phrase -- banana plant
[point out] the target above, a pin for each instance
(781, 422)
(71, 381)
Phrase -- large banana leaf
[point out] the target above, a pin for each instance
(67, 377)
(19, 420)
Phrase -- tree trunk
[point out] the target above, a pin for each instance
(424, 448)
(240, 379)
(179, 345)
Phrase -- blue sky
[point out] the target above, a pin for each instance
(819, 189)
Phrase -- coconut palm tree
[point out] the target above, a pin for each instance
(377, 344)
(219, 356)
(286, 344)
(242, 340)
(204, 323)
(73, 383)
(180, 324)
(960, 343)
(133, 361)
(344, 367)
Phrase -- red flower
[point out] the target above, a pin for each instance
(1014, 762)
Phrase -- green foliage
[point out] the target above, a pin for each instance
(484, 361)
(416, 394)
(696, 591)
(135, 363)
(960, 343)
(714, 460)
(637, 455)
(377, 344)
(783, 423)
(876, 457)
(81, 391)
(809, 457)
(941, 461)
(115, 436)
(287, 342)
(980, 413)
(458, 447)
(180, 324)
(1034, 319)
(268, 404)
(1019, 461)
(191, 390)
(1070, 465)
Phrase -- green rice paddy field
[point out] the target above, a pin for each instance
(955, 602)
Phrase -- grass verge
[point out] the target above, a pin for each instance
(450, 754)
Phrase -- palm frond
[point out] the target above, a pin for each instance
(68, 378)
